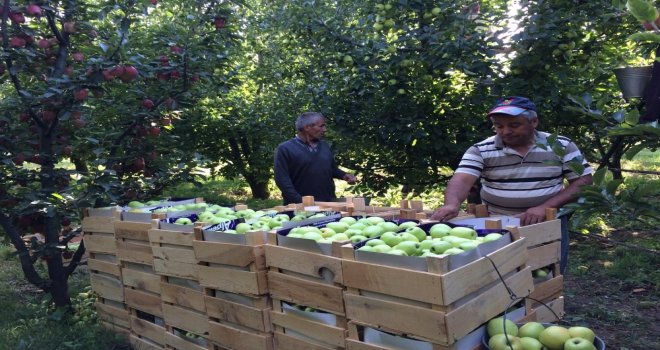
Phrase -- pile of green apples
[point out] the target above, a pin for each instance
(536, 336)
(350, 229)
(441, 239)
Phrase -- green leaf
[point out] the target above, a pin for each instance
(599, 176)
(632, 117)
(613, 185)
(646, 37)
(642, 10)
(632, 152)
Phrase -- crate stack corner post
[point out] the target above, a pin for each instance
(232, 272)
(181, 296)
(299, 277)
(442, 307)
(544, 248)
(104, 268)
(140, 280)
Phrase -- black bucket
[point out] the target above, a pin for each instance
(633, 80)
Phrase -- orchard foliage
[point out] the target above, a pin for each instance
(92, 94)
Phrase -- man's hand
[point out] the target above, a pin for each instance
(445, 213)
(350, 178)
(533, 215)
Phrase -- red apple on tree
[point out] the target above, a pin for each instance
(43, 43)
(81, 95)
(78, 57)
(130, 73)
(219, 22)
(17, 17)
(154, 131)
(138, 164)
(48, 116)
(17, 42)
(69, 27)
(24, 117)
(147, 103)
(33, 10)
(19, 159)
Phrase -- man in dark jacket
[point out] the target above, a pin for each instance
(305, 165)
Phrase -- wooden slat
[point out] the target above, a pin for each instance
(324, 333)
(180, 343)
(109, 287)
(149, 330)
(186, 319)
(287, 342)
(100, 242)
(183, 296)
(104, 266)
(543, 314)
(544, 255)
(104, 224)
(144, 301)
(158, 236)
(549, 289)
(114, 315)
(143, 344)
(175, 269)
(306, 263)
(244, 315)
(132, 230)
(239, 339)
(480, 273)
(135, 251)
(180, 254)
(230, 254)
(540, 233)
(232, 280)
(306, 292)
(141, 280)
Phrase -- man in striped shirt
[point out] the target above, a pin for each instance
(520, 173)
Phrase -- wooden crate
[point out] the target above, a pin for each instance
(142, 288)
(132, 242)
(113, 315)
(542, 313)
(232, 336)
(172, 249)
(98, 230)
(107, 286)
(181, 319)
(357, 340)
(438, 305)
(147, 331)
(310, 278)
(238, 267)
(248, 311)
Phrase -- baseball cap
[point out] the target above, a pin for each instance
(512, 105)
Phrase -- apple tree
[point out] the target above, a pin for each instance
(92, 93)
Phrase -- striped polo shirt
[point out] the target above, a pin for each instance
(512, 183)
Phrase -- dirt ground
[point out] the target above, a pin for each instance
(623, 310)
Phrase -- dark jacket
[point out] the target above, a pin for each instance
(300, 171)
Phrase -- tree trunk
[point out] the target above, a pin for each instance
(259, 189)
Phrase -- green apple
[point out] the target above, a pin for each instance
(540, 273)
(325, 240)
(455, 241)
(294, 235)
(529, 343)
(497, 325)
(388, 226)
(339, 237)
(274, 224)
(454, 251)
(554, 337)
(391, 238)
(418, 232)
(338, 226)
(406, 225)
(492, 237)
(531, 330)
(375, 242)
(375, 220)
(327, 232)
(410, 247)
(312, 235)
(428, 253)
(349, 220)
(183, 221)
(439, 230)
(469, 245)
(366, 248)
(317, 215)
(383, 248)
(499, 342)
(243, 227)
(351, 232)
(397, 252)
(135, 204)
(463, 232)
(358, 238)
(373, 231)
(579, 344)
(439, 247)
(298, 217)
(358, 226)
(407, 236)
(260, 225)
(426, 244)
(582, 332)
